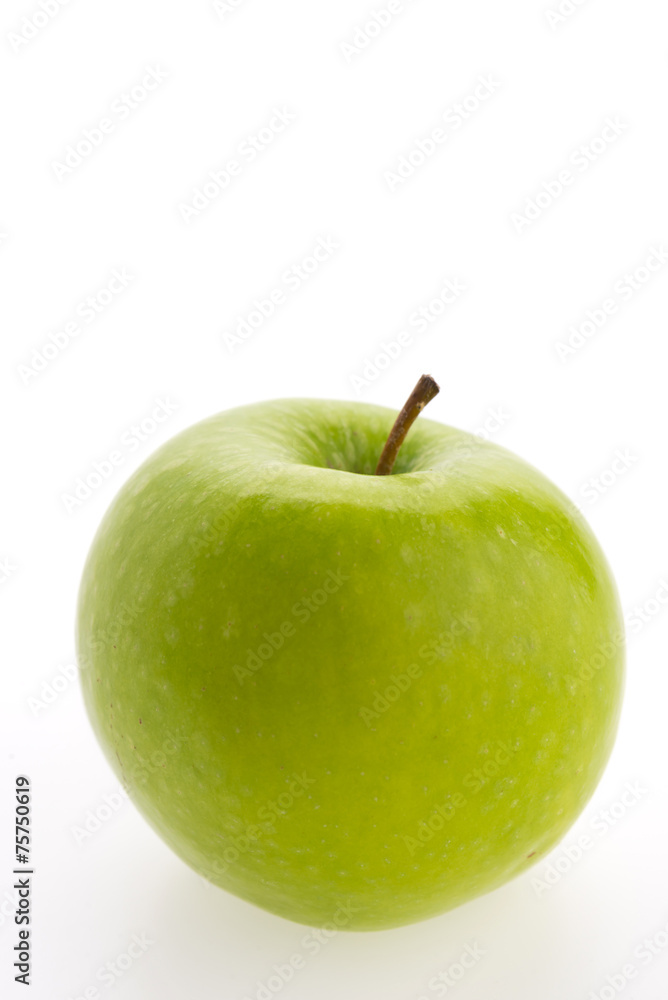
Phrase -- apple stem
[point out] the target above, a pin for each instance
(422, 394)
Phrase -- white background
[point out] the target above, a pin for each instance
(494, 351)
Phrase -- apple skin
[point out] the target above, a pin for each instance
(430, 728)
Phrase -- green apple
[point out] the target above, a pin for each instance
(349, 698)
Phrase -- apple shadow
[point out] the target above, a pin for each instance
(517, 936)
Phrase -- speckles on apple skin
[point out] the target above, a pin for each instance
(408, 554)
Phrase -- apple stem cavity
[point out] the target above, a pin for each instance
(422, 394)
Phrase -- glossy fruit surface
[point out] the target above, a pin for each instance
(338, 693)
